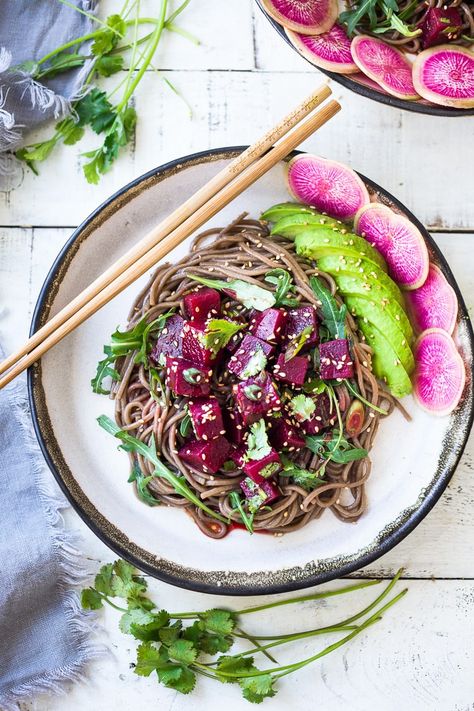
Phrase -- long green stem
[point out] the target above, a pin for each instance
(297, 636)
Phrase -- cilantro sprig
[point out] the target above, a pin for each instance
(96, 109)
(176, 646)
(251, 296)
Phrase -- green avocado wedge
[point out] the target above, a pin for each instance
(368, 312)
(315, 243)
(377, 296)
(285, 209)
(366, 272)
(385, 362)
(287, 223)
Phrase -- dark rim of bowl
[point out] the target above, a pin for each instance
(396, 532)
(367, 91)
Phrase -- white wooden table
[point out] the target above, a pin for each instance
(238, 82)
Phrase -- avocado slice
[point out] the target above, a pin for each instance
(365, 271)
(383, 360)
(287, 223)
(283, 209)
(376, 294)
(367, 311)
(314, 243)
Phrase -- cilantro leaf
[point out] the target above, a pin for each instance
(256, 363)
(234, 665)
(108, 38)
(250, 295)
(95, 109)
(305, 478)
(103, 580)
(148, 659)
(60, 62)
(302, 407)
(219, 332)
(335, 447)
(257, 442)
(108, 65)
(284, 287)
(170, 634)
(257, 688)
(149, 631)
(91, 599)
(183, 650)
(178, 677)
(135, 618)
(315, 386)
(334, 316)
(218, 621)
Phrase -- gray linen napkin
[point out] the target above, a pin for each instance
(44, 636)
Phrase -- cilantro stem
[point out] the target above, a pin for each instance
(89, 15)
(112, 604)
(258, 647)
(357, 394)
(299, 635)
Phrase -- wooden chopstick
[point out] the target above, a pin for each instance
(173, 220)
(240, 183)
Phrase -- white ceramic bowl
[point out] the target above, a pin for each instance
(412, 462)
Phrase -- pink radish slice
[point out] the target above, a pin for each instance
(331, 50)
(440, 374)
(433, 305)
(310, 17)
(397, 240)
(445, 75)
(385, 65)
(331, 187)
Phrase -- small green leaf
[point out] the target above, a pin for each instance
(103, 580)
(218, 621)
(258, 445)
(185, 425)
(170, 634)
(302, 407)
(284, 286)
(184, 681)
(91, 599)
(149, 632)
(257, 688)
(148, 659)
(183, 650)
(138, 617)
(253, 392)
(334, 316)
(108, 65)
(219, 332)
(194, 376)
(305, 478)
(298, 343)
(234, 665)
(247, 519)
(250, 295)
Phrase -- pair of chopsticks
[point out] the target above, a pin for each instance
(236, 177)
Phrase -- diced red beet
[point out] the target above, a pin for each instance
(206, 456)
(242, 362)
(235, 342)
(321, 417)
(235, 426)
(260, 492)
(184, 378)
(335, 360)
(440, 25)
(292, 371)
(269, 325)
(206, 417)
(299, 319)
(266, 466)
(202, 304)
(285, 435)
(193, 348)
(170, 340)
(238, 455)
(256, 397)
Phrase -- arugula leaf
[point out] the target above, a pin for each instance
(104, 370)
(142, 481)
(302, 407)
(335, 447)
(257, 688)
(334, 316)
(305, 478)
(132, 444)
(257, 442)
(250, 295)
(297, 344)
(219, 332)
(218, 621)
(284, 286)
(236, 503)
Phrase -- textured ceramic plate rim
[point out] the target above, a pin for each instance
(220, 582)
(367, 91)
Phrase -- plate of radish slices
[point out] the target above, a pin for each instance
(281, 402)
(413, 55)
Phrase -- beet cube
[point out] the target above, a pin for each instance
(250, 358)
(292, 371)
(259, 493)
(235, 426)
(285, 435)
(170, 340)
(206, 456)
(184, 378)
(193, 345)
(256, 397)
(206, 417)
(266, 466)
(238, 455)
(440, 24)
(269, 325)
(335, 360)
(322, 417)
(202, 304)
(304, 317)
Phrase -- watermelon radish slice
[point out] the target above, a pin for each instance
(331, 187)
(445, 75)
(440, 374)
(310, 17)
(433, 305)
(384, 64)
(399, 242)
(330, 50)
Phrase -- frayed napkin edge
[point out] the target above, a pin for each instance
(81, 624)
